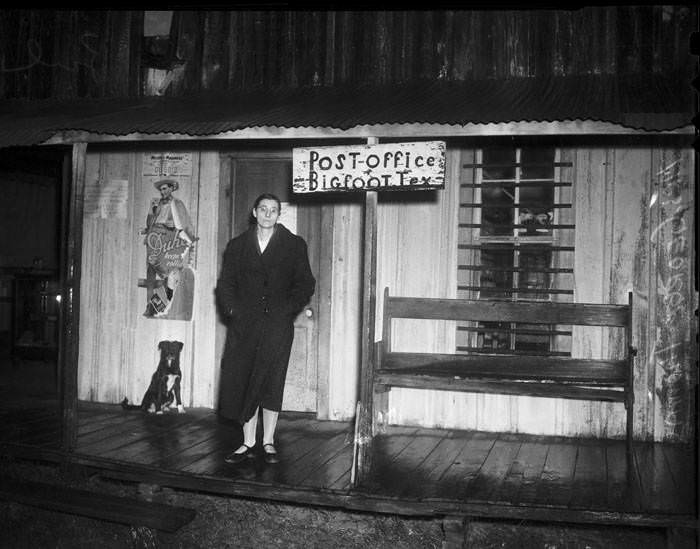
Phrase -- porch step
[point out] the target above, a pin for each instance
(130, 511)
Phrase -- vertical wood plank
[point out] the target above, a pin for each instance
(329, 75)
(325, 299)
(89, 287)
(629, 246)
(589, 276)
(203, 374)
(674, 342)
(369, 298)
(345, 315)
(73, 193)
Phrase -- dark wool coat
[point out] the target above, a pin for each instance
(260, 295)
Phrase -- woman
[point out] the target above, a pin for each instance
(265, 282)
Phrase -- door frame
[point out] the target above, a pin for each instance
(321, 269)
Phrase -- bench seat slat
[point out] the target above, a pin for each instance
(526, 388)
(504, 367)
(530, 312)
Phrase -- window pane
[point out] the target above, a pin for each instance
(533, 261)
(499, 163)
(537, 163)
(536, 201)
(498, 338)
(497, 273)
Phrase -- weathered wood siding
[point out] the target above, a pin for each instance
(633, 213)
(624, 242)
(345, 311)
(102, 53)
(119, 346)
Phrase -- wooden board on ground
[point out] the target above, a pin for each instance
(107, 507)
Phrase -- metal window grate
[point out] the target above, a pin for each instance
(516, 242)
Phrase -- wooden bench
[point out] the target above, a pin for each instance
(527, 373)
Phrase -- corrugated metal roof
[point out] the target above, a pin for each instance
(645, 102)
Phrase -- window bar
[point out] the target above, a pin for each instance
(516, 253)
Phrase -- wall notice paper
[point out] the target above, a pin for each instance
(107, 200)
(164, 165)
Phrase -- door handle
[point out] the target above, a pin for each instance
(308, 312)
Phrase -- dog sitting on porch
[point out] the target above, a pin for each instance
(164, 389)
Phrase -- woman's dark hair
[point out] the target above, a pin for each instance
(258, 200)
(268, 196)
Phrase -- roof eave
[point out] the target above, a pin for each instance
(391, 131)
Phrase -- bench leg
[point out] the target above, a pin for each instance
(380, 409)
(629, 408)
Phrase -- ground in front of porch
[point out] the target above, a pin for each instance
(223, 522)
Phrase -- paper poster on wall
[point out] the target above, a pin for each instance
(167, 165)
(106, 199)
(169, 238)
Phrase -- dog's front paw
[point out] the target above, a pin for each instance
(180, 409)
(159, 413)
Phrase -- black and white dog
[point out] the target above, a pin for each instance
(165, 382)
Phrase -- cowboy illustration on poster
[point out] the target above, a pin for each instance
(169, 239)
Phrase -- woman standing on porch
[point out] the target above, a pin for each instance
(265, 282)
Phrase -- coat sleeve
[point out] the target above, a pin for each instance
(181, 218)
(226, 286)
(304, 282)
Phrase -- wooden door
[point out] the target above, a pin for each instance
(256, 174)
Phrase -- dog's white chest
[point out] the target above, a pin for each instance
(170, 382)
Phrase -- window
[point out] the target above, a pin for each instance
(515, 243)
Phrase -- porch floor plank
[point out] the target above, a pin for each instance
(523, 475)
(401, 470)
(621, 494)
(486, 484)
(455, 480)
(522, 480)
(556, 482)
(680, 459)
(388, 472)
(590, 476)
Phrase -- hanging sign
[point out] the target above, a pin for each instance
(382, 167)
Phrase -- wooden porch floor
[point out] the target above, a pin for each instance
(415, 471)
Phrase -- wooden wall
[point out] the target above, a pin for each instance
(625, 241)
(118, 345)
(103, 53)
(633, 214)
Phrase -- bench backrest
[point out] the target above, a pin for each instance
(529, 312)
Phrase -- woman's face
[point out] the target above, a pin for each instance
(266, 213)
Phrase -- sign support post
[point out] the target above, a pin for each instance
(370, 168)
(363, 441)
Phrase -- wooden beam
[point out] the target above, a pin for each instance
(72, 239)
(579, 314)
(369, 300)
(86, 503)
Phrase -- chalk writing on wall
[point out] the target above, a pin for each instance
(671, 346)
(36, 58)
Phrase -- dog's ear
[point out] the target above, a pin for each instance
(179, 345)
(161, 345)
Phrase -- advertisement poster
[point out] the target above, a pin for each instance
(169, 238)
